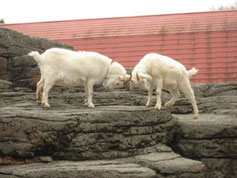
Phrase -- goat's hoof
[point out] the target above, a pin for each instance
(148, 105)
(92, 106)
(38, 100)
(47, 106)
(195, 116)
(168, 105)
(157, 107)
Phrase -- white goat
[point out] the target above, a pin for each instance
(68, 68)
(162, 72)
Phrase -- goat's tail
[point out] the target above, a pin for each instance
(36, 56)
(192, 72)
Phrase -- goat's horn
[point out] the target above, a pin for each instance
(128, 80)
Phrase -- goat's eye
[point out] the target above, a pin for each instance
(117, 83)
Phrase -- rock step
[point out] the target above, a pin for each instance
(223, 95)
(66, 132)
(69, 132)
(212, 139)
(165, 164)
(170, 164)
(83, 169)
(210, 136)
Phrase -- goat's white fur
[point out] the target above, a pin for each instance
(162, 72)
(64, 67)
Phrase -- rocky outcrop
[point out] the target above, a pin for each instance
(117, 129)
(120, 138)
(213, 140)
(165, 164)
(70, 131)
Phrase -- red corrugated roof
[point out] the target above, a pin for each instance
(124, 26)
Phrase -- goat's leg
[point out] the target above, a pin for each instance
(39, 88)
(158, 94)
(86, 100)
(47, 86)
(150, 91)
(176, 95)
(188, 91)
(90, 94)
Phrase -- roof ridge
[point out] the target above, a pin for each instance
(124, 17)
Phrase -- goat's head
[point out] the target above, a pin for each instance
(140, 80)
(116, 77)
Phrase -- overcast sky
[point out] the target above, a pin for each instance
(19, 11)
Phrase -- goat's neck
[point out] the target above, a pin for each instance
(108, 70)
(142, 68)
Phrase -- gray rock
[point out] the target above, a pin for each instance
(207, 126)
(3, 69)
(220, 167)
(5, 85)
(222, 89)
(72, 132)
(17, 44)
(169, 164)
(45, 159)
(85, 169)
(211, 139)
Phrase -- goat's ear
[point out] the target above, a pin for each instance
(137, 75)
(120, 78)
(146, 76)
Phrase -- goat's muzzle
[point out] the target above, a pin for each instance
(131, 85)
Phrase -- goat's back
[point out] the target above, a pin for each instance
(81, 62)
(67, 67)
(162, 65)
